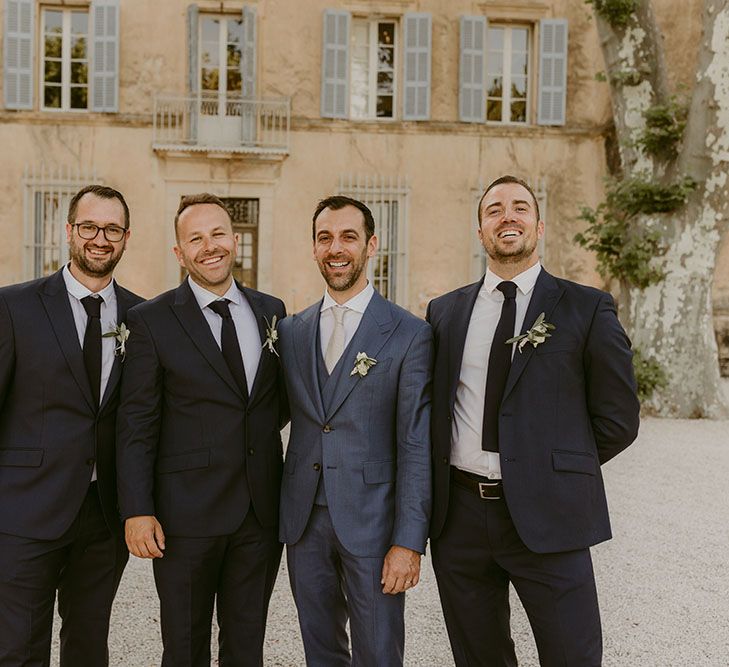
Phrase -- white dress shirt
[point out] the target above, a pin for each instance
(466, 451)
(76, 292)
(352, 317)
(246, 327)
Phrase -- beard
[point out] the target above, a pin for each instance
(344, 281)
(93, 267)
(513, 255)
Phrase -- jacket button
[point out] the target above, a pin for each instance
(251, 451)
(317, 467)
(90, 462)
(445, 460)
(327, 428)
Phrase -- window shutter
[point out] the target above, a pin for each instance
(552, 71)
(416, 87)
(471, 99)
(104, 56)
(18, 56)
(248, 55)
(192, 55)
(335, 64)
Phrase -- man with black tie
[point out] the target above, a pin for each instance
(59, 375)
(200, 453)
(520, 429)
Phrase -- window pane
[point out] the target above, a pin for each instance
(79, 97)
(79, 73)
(385, 83)
(235, 31)
(209, 56)
(53, 47)
(385, 57)
(493, 110)
(210, 30)
(209, 80)
(78, 48)
(53, 21)
(518, 87)
(359, 82)
(233, 56)
(384, 107)
(496, 39)
(234, 81)
(519, 39)
(52, 71)
(519, 64)
(52, 97)
(386, 34)
(495, 62)
(518, 112)
(79, 23)
(494, 86)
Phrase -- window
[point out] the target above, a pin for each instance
(507, 74)
(244, 213)
(220, 60)
(387, 199)
(372, 91)
(65, 59)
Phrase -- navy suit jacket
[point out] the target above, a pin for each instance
(569, 405)
(191, 450)
(51, 433)
(370, 441)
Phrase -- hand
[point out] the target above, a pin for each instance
(400, 571)
(144, 537)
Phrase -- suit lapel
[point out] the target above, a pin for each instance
(188, 312)
(305, 331)
(374, 330)
(546, 295)
(123, 303)
(55, 300)
(459, 319)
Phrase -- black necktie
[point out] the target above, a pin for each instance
(92, 343)
(499, 364)
(229, 345)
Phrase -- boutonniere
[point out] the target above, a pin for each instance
(536, 335)
(271, 335)
(362, 364)
(121, 334)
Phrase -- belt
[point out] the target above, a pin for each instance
(483, 487)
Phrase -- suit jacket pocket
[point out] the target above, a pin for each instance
(21, 458)
(379, 472)
(187, 461)
(382, 366)
(582, 462)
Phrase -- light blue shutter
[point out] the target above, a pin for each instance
(193, 76)
(104, 55)
(471, 98)
(248, 76)
(416, 87)
(552, 71)
(335, 64)
(18, 56)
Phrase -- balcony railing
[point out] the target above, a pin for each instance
(217, 124)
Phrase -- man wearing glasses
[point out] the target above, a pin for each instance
(61, 351)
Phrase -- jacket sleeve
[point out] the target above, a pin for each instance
(413, 494)
(611, 392)
(138, 421)
(7, 350)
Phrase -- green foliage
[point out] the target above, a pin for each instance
(649, 375)
(664, 128)
(616, 12)
(623, 246)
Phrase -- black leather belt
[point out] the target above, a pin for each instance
(483, 487)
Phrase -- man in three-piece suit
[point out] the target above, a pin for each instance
(356, 491)
(519, 433)
(199, 446)
(59, 375)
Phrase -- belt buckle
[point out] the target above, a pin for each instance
(483, 489)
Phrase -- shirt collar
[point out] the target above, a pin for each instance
(205, 297)
(79, 291)
(525, 281)
(358, 303)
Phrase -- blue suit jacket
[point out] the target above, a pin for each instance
(569, 405)
(371, 442)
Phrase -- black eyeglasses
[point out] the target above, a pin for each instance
(88, 231)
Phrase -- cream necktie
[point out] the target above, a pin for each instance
(336, 342)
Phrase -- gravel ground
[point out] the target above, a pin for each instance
(663, 579)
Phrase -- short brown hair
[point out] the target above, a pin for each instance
(508, 179)
(101, 191)
(337, 202)
(202, 198)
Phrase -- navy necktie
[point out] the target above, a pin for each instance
(499, 365)
(92, 343)
(229, 345)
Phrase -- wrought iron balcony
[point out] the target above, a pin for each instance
(221, 125)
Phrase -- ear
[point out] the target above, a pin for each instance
(540, 229)
(178, 254)
(69, 232)
(372, 246)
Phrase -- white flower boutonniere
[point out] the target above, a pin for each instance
(536, 335)
(271, 335)
(121, 333)
(362, 364)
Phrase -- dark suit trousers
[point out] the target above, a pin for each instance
(240, 569)
(85, 566)
(476, 556)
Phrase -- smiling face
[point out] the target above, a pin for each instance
(206, 246)
(509, 229)
(97, 257)
(341, 251)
